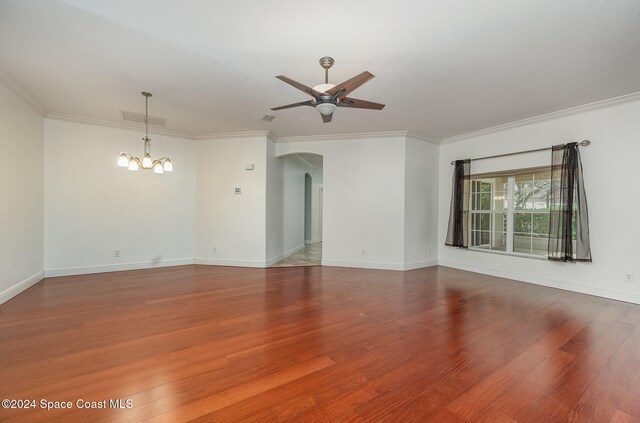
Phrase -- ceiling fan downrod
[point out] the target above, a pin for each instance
(326, 62)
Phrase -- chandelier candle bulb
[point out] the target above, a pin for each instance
(123, 161)
(134, 163)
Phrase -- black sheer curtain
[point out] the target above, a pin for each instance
(569, 217)
(458, 233)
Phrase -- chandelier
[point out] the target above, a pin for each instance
(131, 162)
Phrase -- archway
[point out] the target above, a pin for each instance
(296, 236)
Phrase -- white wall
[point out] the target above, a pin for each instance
(316, 206)
(421, 204)
(21, 194)
(293, 181)
(610, 172)
(93, 207)
(363, 182)
(235, 224)
(274, 206)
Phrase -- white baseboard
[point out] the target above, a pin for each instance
(11, 292)
(420, 264)
(312, 241)
(567, 286)
(226, 262)
(363, 264)
(284, 255)
(71, 271)
(379, 265)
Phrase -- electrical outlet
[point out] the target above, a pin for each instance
(363, 251)
(116, 253)
(238, 190)
(429, 252)
(215, 250)
(627, 277)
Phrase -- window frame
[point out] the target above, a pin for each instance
(510, 211)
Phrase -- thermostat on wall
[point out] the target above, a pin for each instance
(248, 166)
(238, 190)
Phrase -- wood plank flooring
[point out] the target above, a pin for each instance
(317, 344)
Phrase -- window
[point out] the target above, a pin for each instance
(510, 211)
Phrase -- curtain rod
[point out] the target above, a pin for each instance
(583, 143)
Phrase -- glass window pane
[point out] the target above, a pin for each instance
(542, 174)
(500, 222)
(540, 223)
(522, 222)
(542, 195)
(500, 200)
(523, 195)
(539, 245)
(525, 177)
(485, 221)
(522, 243)
(499, 241)
(485, 201)
(501, 183)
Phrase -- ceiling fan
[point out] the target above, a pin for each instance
(328, 97)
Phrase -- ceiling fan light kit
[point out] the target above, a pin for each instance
(134, 163)
(326, 109)
(328, 97)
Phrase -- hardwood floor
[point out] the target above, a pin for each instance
(318, 344)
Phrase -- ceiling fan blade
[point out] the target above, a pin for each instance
(288, 106)
(360, 104)
(326, 118)
(301, 87)
(341, 90)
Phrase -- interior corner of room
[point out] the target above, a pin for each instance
(343, 211)
(385, 199)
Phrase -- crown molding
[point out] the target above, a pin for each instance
(22, 92)
(544, 117)
(239, 134)
(357, 135)
(27, 96)
(116, 124)
(421, 137)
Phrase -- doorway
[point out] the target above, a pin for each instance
(302, 195)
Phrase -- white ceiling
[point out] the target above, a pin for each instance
(442, 67)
